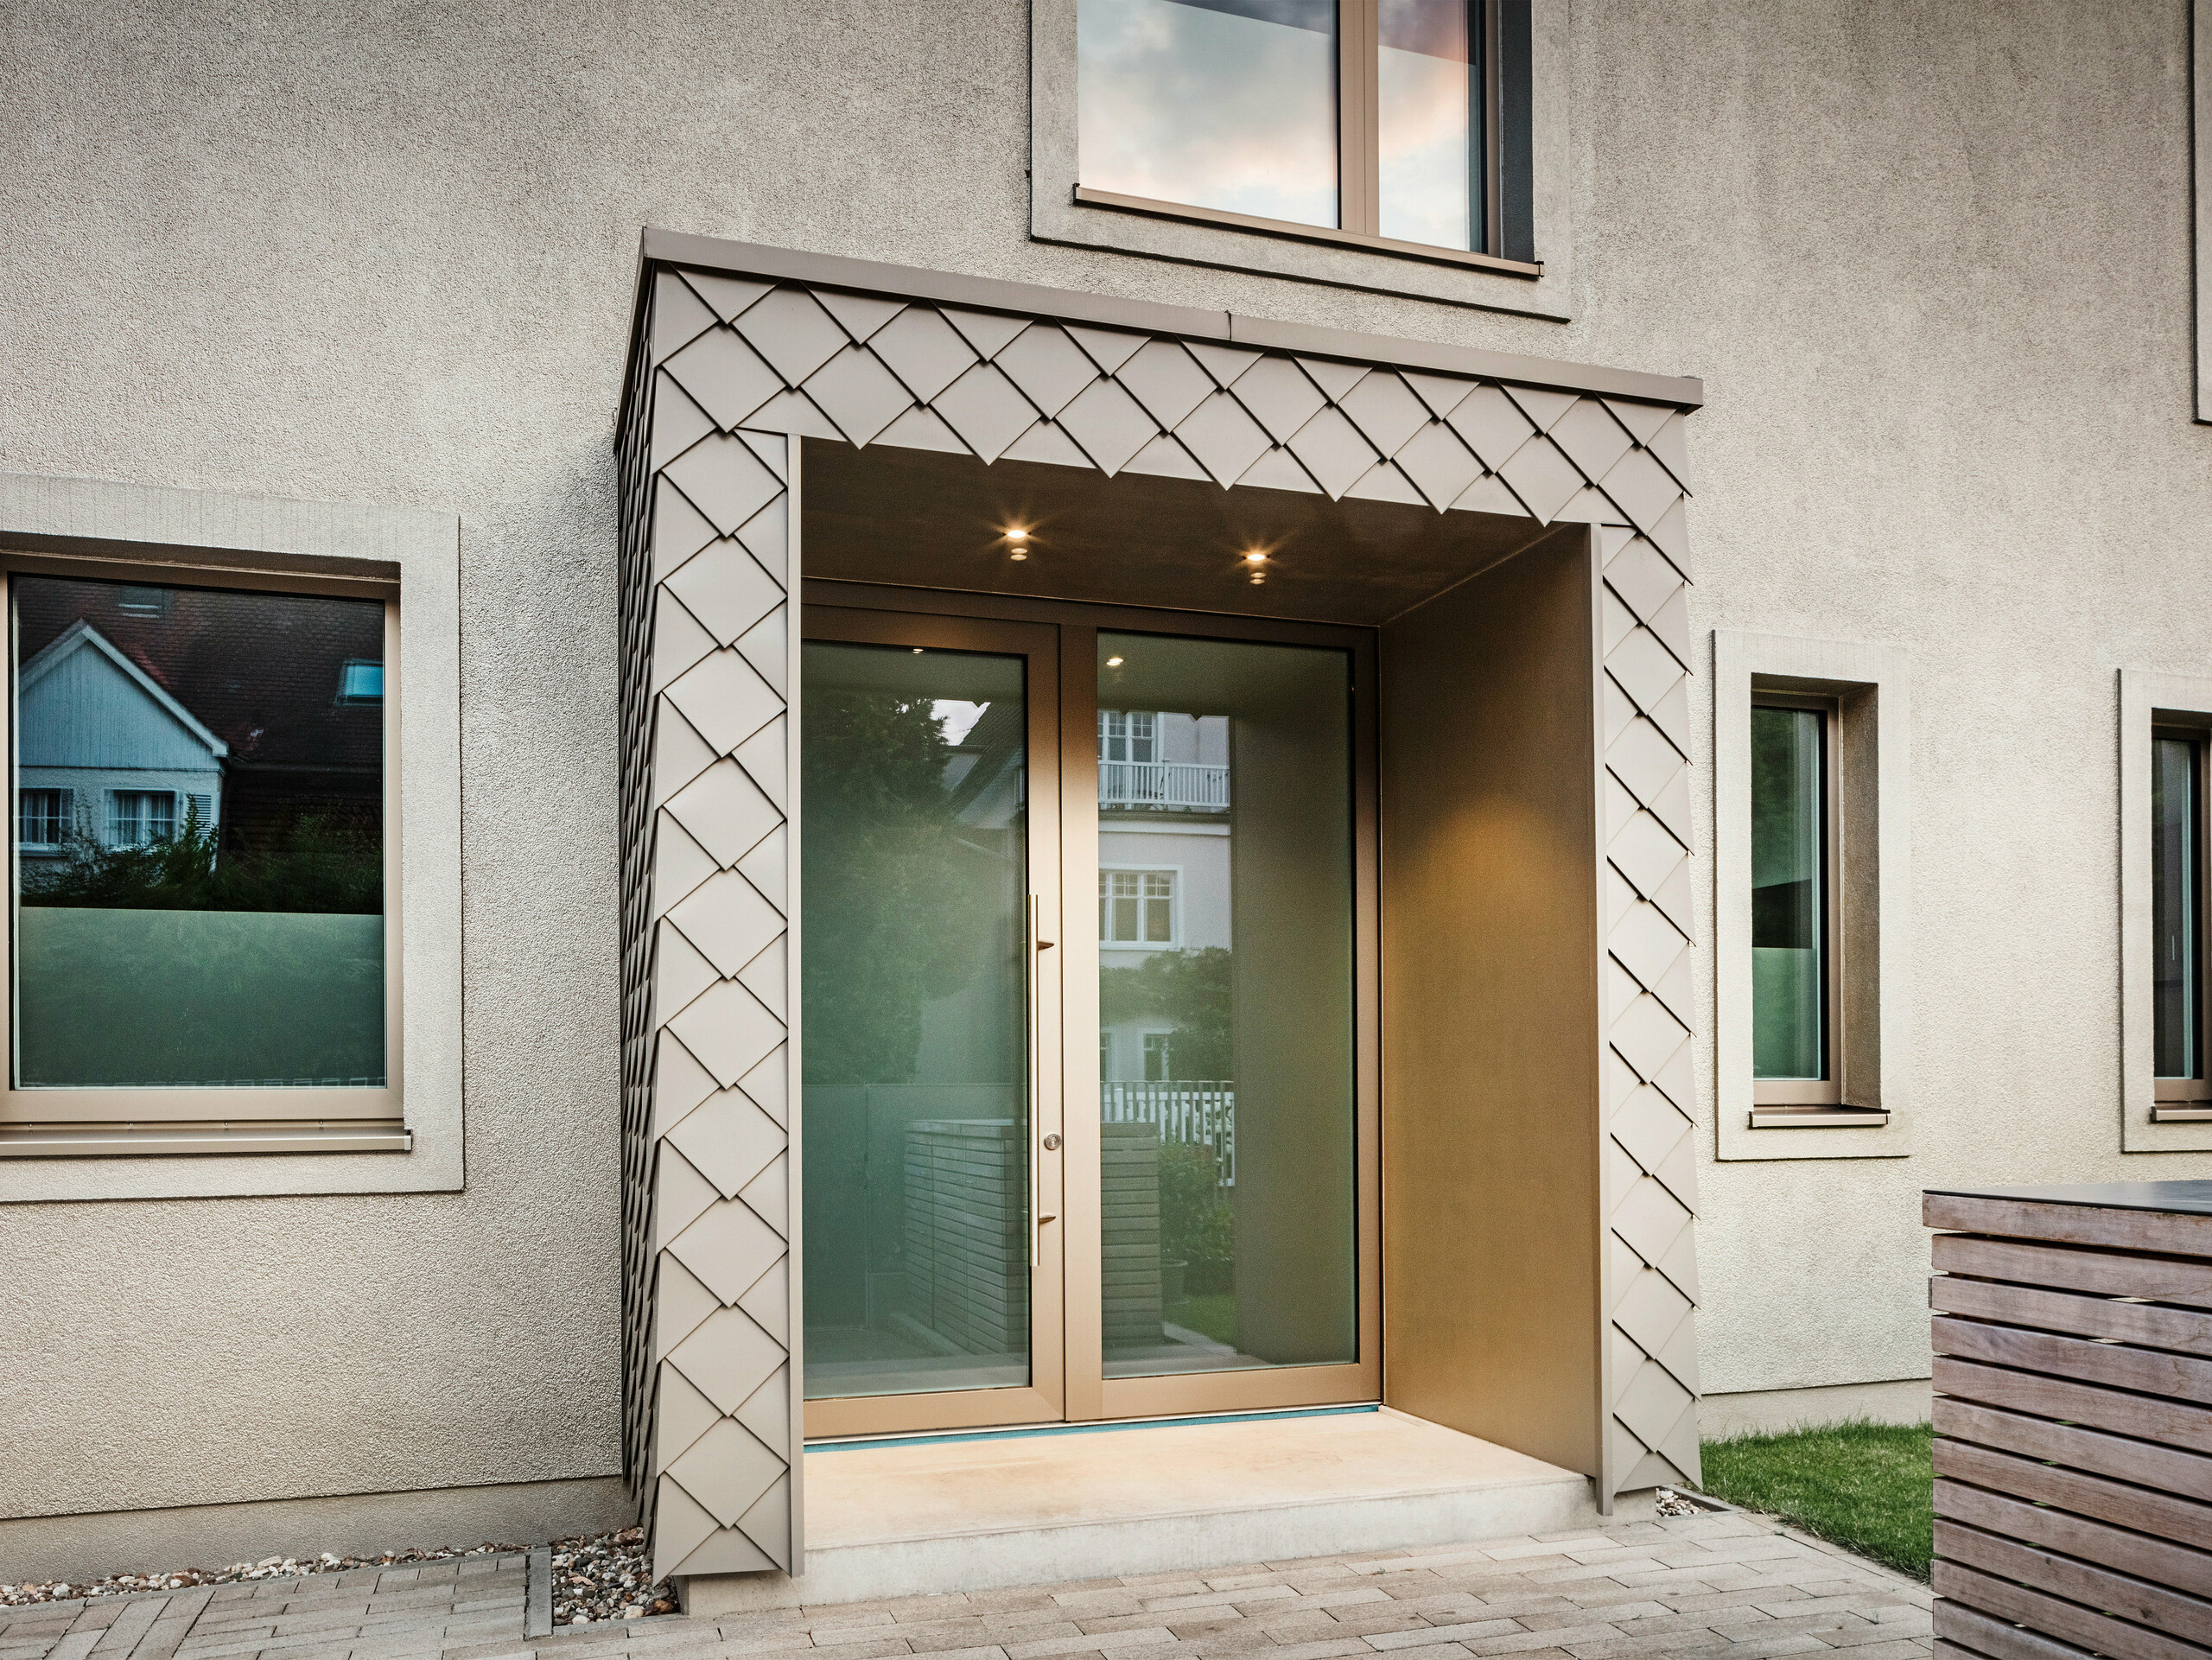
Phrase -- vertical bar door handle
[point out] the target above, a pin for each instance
(1029, 956)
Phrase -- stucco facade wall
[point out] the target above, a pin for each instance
(1933, 268)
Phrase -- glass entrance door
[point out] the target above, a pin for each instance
(929, 893)
(1154, 843)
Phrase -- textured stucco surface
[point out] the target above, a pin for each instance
(1932, 264)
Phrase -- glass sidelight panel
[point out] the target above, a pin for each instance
(1429, 121)
(1226, 1053)
(1789, 940)
(914, 858)
(2174, 906)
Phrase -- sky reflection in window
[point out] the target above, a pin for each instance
(1426, 108)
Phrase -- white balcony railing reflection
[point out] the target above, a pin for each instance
(1200, 1112)
(1185, 785)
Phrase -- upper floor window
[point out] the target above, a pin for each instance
(1136, 907)
(1374, 117)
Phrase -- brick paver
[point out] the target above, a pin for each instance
(1707, 1587)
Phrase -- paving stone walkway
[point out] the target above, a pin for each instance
(1708, 1587)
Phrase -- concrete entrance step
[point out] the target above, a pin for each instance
(906, 1519)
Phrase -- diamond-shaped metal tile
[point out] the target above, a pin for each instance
(1383, 482)
(1649, 1127)
(1541, 406)
(765, 646)
(1646, 943)
(989, 332)
(1643, 579)
(766, 536)
(856, 390)
(764, 866)
(680, 1525)
(1594, 441)
(1646, 1035)
(679, 316)
(1332, 450)
(1643, 759)
(1384, 408)
(924, 351)
(1442, 393)
(768, 1195)
(680, 1417)
(763, 756)
(725, 589)
(724, 479)
(1646, 669)
(728, 1247)
(1642, 487)
(681, 1195)
(681, 1304)
(1278, 470)
(729, 1357)
(726, 1470)
(680, 754)
(725, 812)
(1645, 854)
(768, 1300)
(793, 332)
(679, 529)
(1542, 477)
(1109, 425)
(1441, 465)
(728, 295)
(1642, 420)
(768, 1523)
(768, 1411)
(1223, 438)
(681, 1085)
(1492, 424)
(725, 698)
(1048, 367)
(680, 974)
(769, 1084)
(1109, 348)
(1226, 364)
(727, 1029)
(1336, 381)
(726, 917)
(1279, 395)
(678, 423)
(1047, 444)
(1163, 377)
(859, 315)
(728, 1140)
(730, 1551)
(986, 409)
(680, 864)
(1165, 457)
(1488, 494)
(764, 977)
(724, 376)
(1670, 444)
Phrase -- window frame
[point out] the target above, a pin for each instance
(1868, 689)
(1532, 147)
(79, 1121)
(2157, 1116)
(2168, 1093)
(1827, 1091)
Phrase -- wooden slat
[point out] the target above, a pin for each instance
(2181, 1233)
(2174, 1565)
(2158, 1513)
(2143, 1323)
(2108, 1590)
(2147, 1371)
(2075, 1268)
(1999, 1639)
(2172, 1422)
(2098, 1632)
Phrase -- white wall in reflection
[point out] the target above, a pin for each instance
(1229, 104)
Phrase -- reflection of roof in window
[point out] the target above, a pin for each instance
(258, 670)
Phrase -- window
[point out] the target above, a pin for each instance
(43, 819)
(1792, 955)
(1128, 735)
(1375, 119)
(1156, 1058)
(2177, 1010)
(136, 817)
(361, 682)
(1812, 848)
(1136, 907)
(224, 929)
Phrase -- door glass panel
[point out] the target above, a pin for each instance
(2174, 905)
(1226, 1097)
(1226, 104)
(914, 883)
(1788, 982)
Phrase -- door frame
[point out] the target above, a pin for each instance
(1085, 1393)
(1043, 1399)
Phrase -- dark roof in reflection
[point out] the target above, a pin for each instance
(260, 671)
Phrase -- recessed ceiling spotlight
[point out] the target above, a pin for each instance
(917, 651)
(1113, 662)
(1256, 557)
(1017, 536)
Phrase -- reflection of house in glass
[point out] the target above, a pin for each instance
(199, 813)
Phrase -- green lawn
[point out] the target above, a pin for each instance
(1865, 1486)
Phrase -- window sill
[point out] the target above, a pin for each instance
(1780, 1117)
(1086, 197)
(119, 1140)
(2181, 1112)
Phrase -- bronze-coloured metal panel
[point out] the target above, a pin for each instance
(1490, 1009)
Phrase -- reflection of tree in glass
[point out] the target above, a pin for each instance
(1189, 988)
(1197, 1226)
(319, 868)
(896, 900)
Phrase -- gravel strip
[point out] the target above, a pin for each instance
(596, 1577)
(1673, 1504)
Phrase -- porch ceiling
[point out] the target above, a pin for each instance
(918, 517)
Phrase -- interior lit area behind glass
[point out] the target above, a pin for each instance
(1225, 1043)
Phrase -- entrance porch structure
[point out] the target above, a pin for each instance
(1511, 528)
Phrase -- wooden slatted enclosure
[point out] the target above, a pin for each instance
(2072, 1374)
